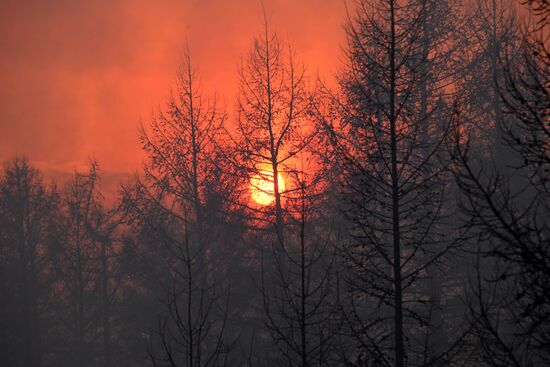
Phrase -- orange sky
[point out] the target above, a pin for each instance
(76, 77)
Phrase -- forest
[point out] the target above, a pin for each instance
(400, 217)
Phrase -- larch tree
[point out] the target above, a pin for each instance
(509, 305)
(77, 282)
(179, 208)
(29, 245)
(273, 141)
(490, 35)
(271, 119)
(87, 273)
(104, 228)
(299, 282)
(390, 140)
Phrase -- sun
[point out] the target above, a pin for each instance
(262, 186)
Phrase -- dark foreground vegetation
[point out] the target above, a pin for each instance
(410, 226)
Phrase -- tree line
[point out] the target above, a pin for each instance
(406, 221)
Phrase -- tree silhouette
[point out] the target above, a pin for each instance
(272, 129)
(390, 143)
(180, 207)
(509, 301)
(29, 246)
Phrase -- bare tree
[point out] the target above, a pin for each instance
(181, 148)
(298, 286)
(104, 228)
(29, 243)
(272, 128)
(491, 33)
(87, 273)
(273, 147)
(192, 334)
(509, 304)
(180, 208)
(77, 271)
(396, 118)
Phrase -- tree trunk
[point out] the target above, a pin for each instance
(398, 307)
(105, 306)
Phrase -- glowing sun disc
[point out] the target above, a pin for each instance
(262, 187)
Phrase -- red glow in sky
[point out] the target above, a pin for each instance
(77, 77)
